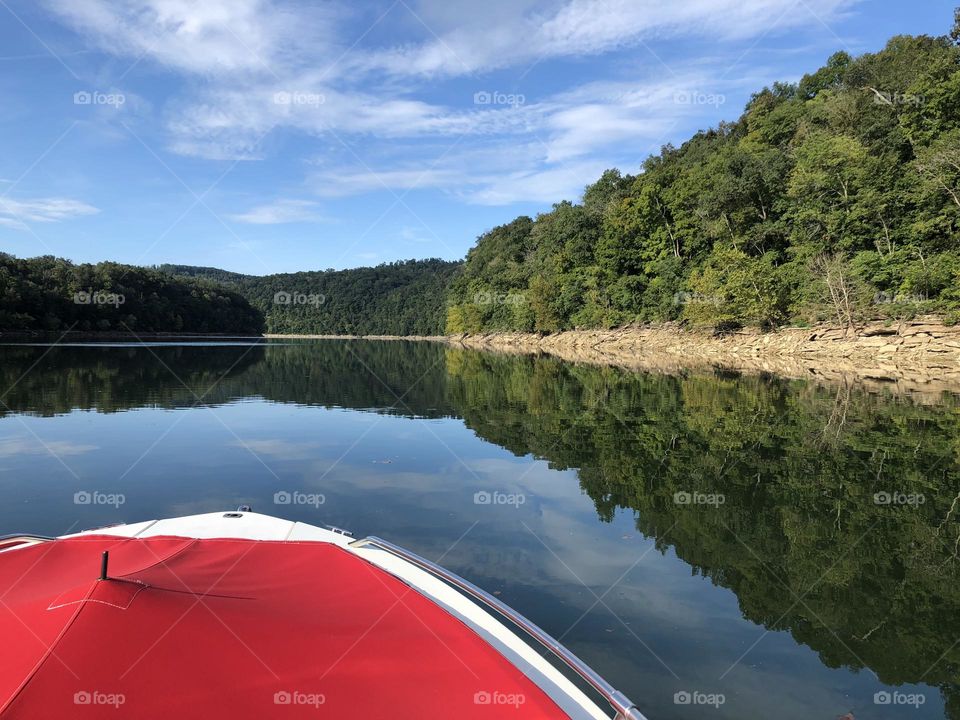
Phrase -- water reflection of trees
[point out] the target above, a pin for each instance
(358, 375)
(799, 538)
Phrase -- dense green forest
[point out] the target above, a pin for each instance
(836, 198)
(55, 295)
(400, 298)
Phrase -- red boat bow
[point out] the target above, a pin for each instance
(221, 628)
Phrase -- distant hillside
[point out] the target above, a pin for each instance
(55, 295)
(401, 298)
(197, 271)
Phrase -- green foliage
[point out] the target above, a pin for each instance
(824, 200)
(734, 288)
(55, 295)
(401, 298)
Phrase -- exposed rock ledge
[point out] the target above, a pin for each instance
(917, 356)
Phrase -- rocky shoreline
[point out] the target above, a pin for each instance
(917, 356)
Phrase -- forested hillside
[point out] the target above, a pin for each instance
(52, 294)
(837, 198)
(401, 298)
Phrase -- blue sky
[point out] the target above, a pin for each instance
(264, 136)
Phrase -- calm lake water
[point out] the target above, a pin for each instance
(791, 548)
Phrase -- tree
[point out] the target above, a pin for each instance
(939, 164)
(733, 289)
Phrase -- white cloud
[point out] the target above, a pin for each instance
(585, 27)
(18, 213)
(229, 122)
(280, 449)
(279, 212)
(502, 176)
(370, 99)
(22, 445)
(542, 185)
(343, 182)
(209, 37)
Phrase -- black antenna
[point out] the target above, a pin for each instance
(104, 561)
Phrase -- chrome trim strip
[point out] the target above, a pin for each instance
(16, 541)
(626, 710)
(25, 537)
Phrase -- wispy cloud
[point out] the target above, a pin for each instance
(279, 212)
(210, 38)
(19, 213)
(280, 449)
(16, 446)
(532, 32)
(395, 111)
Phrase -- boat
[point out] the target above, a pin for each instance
(243, 615)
